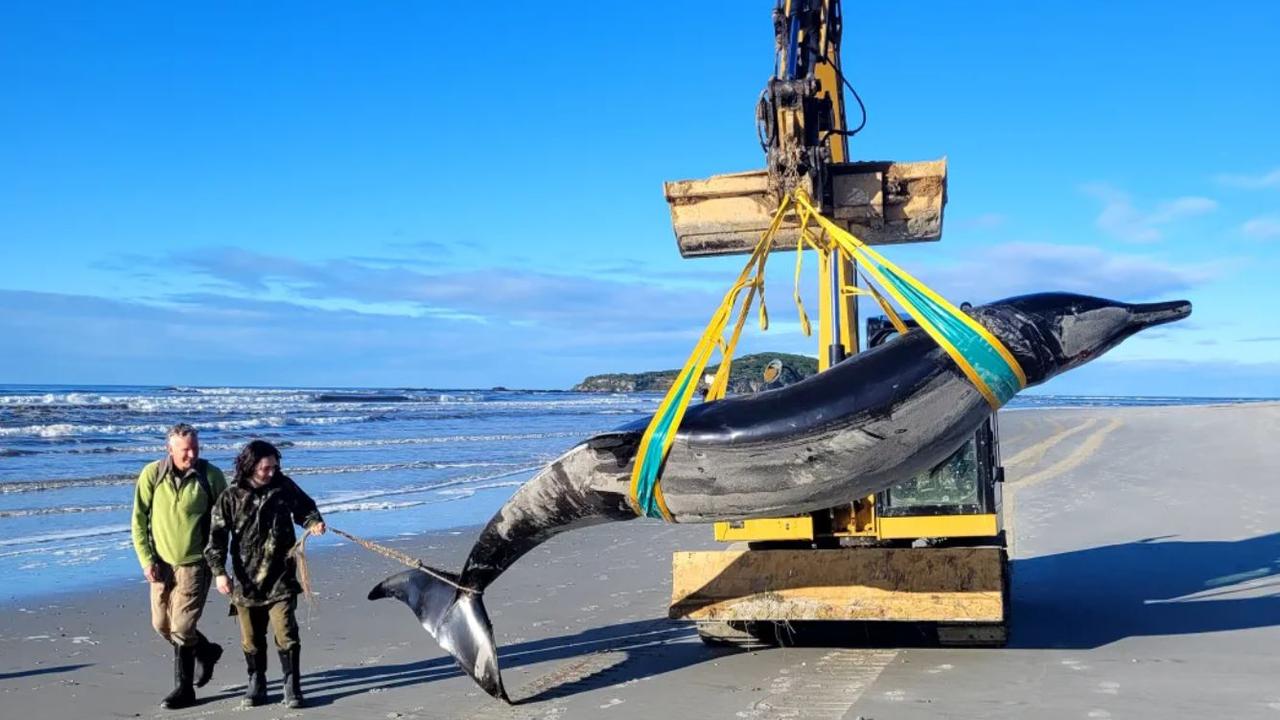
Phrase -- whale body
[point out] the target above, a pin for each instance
(868, 422)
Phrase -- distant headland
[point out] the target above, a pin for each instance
(747, 375)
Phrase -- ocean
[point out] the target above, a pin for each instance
(381, 463)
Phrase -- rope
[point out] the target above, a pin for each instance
(299, 553)
(304, 576)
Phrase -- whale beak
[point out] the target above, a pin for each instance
(1151, 314)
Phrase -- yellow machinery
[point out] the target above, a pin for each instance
(930, 549)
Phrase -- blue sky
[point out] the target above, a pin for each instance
(400, 193)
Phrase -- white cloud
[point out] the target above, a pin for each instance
(1251, 182)
(1018, 268)
(235, 340)
(587, 303)
(1266, 227)
(1121, 219)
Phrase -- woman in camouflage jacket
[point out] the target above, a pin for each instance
(256, 516)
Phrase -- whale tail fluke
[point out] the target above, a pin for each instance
(455, 618)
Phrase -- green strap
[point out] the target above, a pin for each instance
(984, 358)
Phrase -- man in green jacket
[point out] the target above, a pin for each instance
(171, 513)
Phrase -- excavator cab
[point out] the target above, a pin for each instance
(963, 490)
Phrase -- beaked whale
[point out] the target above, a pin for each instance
(852, 431)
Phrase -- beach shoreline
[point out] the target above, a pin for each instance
(477, 516)
(1144, 544)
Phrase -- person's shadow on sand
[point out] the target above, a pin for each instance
(610, 655)
(1159, 586)
(43, 671)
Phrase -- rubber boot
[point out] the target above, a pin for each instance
(184, 667)
(289, 660)
(255, 692)
(207, 655)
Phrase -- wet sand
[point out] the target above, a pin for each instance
(1146, 547)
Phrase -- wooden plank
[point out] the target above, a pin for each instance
(899, 584)
(879, 202)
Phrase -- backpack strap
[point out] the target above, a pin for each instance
(162, 470)
(202, 477)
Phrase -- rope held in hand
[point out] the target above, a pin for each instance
(304, 577)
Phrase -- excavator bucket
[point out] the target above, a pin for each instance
(881, 203)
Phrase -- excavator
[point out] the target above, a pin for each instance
(928, 553)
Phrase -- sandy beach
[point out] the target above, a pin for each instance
(1145, 550)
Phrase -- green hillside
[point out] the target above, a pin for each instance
(746, 375)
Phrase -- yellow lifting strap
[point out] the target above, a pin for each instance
(881, 300)
(984, 360)
(646, 492)
(981, 357)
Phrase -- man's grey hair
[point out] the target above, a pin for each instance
(182, 430)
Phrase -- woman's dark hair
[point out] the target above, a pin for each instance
(248, 458)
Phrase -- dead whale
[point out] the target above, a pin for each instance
(854, 430)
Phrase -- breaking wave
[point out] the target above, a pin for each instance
(26, 486)
(62, 430)
(359, 495)
(353, 443)
(46, 538)
(365, 506)
(384, 467)
(376, 442)
(61, 510)
(360, 398)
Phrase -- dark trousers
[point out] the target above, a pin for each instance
(253, 625)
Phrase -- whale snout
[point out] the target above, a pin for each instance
(1147, 315)
(1080, 328)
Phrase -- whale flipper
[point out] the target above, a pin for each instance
(455, 618)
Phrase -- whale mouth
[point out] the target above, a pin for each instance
(1147, 315)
